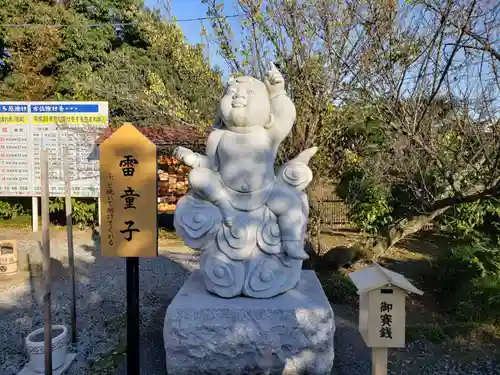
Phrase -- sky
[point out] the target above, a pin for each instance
(188, 9)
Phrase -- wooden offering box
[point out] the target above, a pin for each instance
(382, 313)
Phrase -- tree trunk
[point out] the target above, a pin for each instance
(402, 229)
(413, 224)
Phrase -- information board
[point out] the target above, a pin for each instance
(26, 127)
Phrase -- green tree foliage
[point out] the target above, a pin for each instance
(392, 179)
(85, 211)
(398, 96)
(144, 68)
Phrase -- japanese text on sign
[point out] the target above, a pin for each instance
(127, 165)
(129, 197)
(110, 211)
(128, 193)
(385, 320)
(128, 168)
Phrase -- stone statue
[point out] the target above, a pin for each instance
(248, 221)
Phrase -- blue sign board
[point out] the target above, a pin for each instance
(14, 108)
(65, 108)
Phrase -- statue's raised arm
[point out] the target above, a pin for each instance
(282, 108)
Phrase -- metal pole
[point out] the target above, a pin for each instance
(34, 209)
(44, 189)
(132, 276)
(71, 254)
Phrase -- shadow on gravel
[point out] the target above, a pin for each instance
(101, 307)
(352, 356)
(171, 271)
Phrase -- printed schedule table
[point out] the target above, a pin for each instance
(27, 127)
(15, 171)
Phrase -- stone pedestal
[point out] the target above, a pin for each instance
(288, 334)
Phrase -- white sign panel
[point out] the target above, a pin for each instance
(27, 127)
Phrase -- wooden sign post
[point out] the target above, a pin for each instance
(382, 315)
(129, 228)
(47, 296)
(71, 253)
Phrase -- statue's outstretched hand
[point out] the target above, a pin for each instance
(274, 81)
(185, 156)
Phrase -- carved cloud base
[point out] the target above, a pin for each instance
(244, 259)
(289, 334)
(261, 276)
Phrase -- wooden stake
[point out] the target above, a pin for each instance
(71, 254)
(34, 210)
(44, 189)
(99, 211)
(379, 361)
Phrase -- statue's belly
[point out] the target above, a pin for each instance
(245, 177)
(246, 161)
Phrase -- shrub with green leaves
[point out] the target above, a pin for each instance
(475, 222)
(480, 300)
(85, 213)
(84, 210)
(9, 209)
(468, 280)
(370, 209)
(484, 255)
(338, 288)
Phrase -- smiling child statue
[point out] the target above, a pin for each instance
(248, 221)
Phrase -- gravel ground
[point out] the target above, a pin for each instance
(101, 308)
(418, 358)
(100, 303)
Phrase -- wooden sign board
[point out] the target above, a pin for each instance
(128, 193)
(386, 318)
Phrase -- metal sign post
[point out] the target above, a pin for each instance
(133, 338)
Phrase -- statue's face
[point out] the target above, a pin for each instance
(245, 104)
